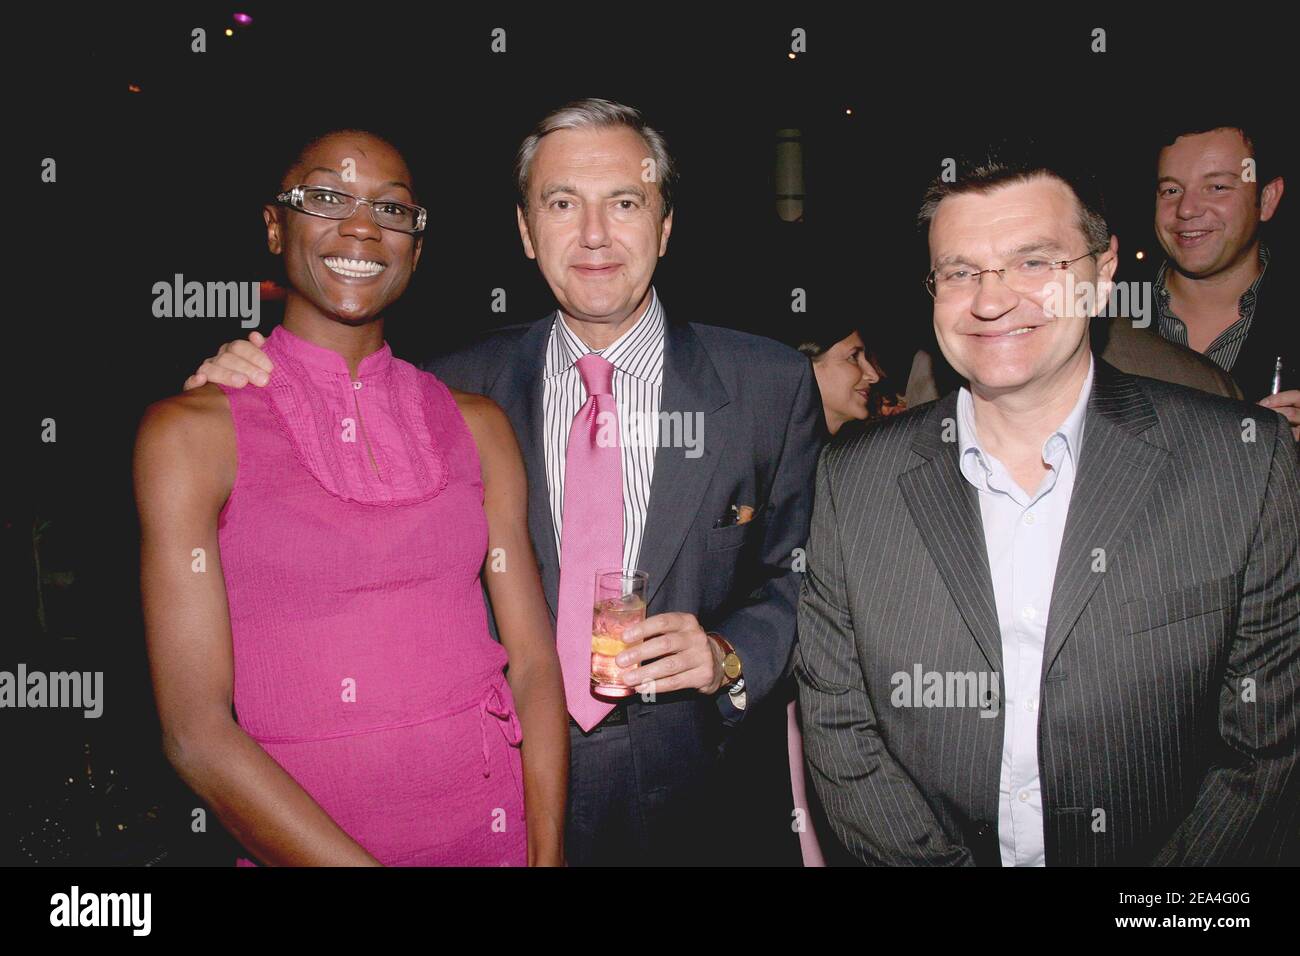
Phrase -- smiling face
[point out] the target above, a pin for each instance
(999, 339)
(844, 378)
(1207, 217)
(347, 270)
(594, 227)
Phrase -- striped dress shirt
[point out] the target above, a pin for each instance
(1227, 345)
(638, 360)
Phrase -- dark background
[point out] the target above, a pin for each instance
(171, 179)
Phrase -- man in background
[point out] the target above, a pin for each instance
(1215, 189)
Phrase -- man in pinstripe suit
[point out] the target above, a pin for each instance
(1054, 617)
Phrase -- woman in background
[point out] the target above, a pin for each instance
(847, 374)
(853, 389)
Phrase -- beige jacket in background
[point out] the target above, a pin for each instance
(1135, 351)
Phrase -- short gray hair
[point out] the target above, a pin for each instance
(593, 113)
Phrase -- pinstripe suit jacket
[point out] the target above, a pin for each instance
(1170, 689)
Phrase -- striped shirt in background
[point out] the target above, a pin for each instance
(1226, 347)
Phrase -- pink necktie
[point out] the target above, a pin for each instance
(591, 533)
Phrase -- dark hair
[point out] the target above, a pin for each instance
(1265, 149)
(813, 334)
(1018, 161)
(815, 337)
(820, 345)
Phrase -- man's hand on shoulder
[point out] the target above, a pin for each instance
(235, 364)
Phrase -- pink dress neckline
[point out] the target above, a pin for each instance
(327, 360)
(367, 440)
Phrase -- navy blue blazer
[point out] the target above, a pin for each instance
(762, 430)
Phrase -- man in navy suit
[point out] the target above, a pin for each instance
(719, 435)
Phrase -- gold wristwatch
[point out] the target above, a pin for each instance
(731, 666)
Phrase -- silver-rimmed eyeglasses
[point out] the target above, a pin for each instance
(336, 204)
(1025, 274)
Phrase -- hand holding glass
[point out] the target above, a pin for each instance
(619, 603)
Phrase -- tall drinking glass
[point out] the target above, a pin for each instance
(619, 602)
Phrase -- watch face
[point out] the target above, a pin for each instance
(731, 666)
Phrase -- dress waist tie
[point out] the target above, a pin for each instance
(492, 706)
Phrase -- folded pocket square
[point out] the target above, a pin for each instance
(736, 514)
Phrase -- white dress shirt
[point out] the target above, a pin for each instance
(638, 359)
(1022, 534)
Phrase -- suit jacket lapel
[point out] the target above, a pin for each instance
(1117, 474)
(518, 390)
(945, 509)
(691, 385)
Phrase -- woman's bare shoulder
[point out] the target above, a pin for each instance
(472, 401)
(202, 412)
(484, 416)
(493, 434)
(190, 432)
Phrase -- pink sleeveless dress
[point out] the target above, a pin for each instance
(351, 547)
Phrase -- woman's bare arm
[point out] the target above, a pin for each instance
(524, 625)
(184, 471)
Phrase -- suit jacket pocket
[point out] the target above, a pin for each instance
(1149, 612)
(720, 539)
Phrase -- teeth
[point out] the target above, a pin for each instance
(354, 268)
(1018, 332)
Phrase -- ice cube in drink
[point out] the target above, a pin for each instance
(610, 616)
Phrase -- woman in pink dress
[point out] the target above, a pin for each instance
(313, 552)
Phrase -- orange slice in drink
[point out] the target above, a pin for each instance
(608, 646)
